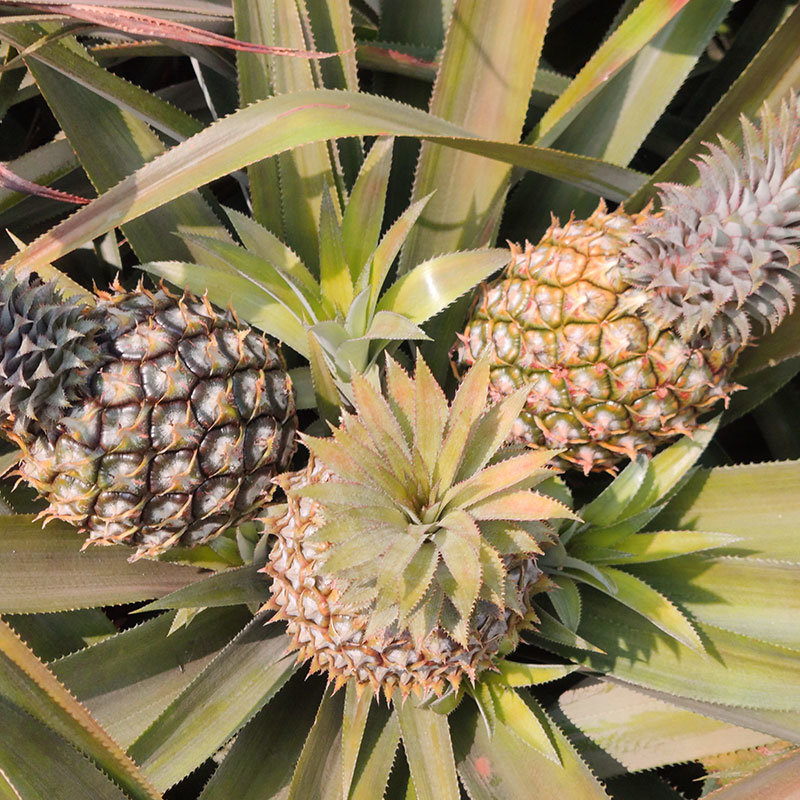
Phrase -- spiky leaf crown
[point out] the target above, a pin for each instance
(422, 518)
(47, 352)
(722, 252)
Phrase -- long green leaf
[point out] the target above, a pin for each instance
(645, 22)
(318, 772)
(622, 109)
(642, 732)
(483, 84)
(742, 501)
(377, 754)
(669, 466)
(363, 216)
(241, 585)
(738, 671)
(46, 698)
(303, 171)
(503, 767)
(263, 757)
(754, 597)
(433, 285)
(233, 688)
(36, 762)
(611, 504)
(226, 287)
(426, 739)
(83, 71)
(253, 23)
(642, 598)
(127, 680)
(264, 129)
(84, 579)
(111, 143)
(642, 548)
(60, 633)
(357, 704)
(768, 78)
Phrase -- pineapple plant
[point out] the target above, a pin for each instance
(628, 653)
(628, 327)
(150, 419)
(406, 558)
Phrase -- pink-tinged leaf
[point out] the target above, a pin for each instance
(401, 396)
(120, 19)
(431, 415)
(778, 781)
(15, 183)
(395, 58)
(521, 506)
(520, 472)
(491, 432)
(466, 409)
(287, 121)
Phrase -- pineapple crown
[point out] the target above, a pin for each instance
(47, 352)
(723, 252)
(423, 516)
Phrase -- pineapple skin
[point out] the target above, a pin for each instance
(608, 382)
(178, 433)
(332, 638)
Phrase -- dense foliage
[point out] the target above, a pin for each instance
(343, 178)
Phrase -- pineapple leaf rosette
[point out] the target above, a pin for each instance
(406, 558)
(335, 311)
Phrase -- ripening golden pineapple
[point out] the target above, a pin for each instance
(627, 327)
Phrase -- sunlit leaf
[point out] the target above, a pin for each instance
(426, 739)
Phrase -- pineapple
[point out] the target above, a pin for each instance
(150, 419)
(626, 327)
(402, 560)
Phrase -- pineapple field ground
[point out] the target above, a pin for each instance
(399, 400)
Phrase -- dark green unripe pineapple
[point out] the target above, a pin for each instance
(149, 419)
